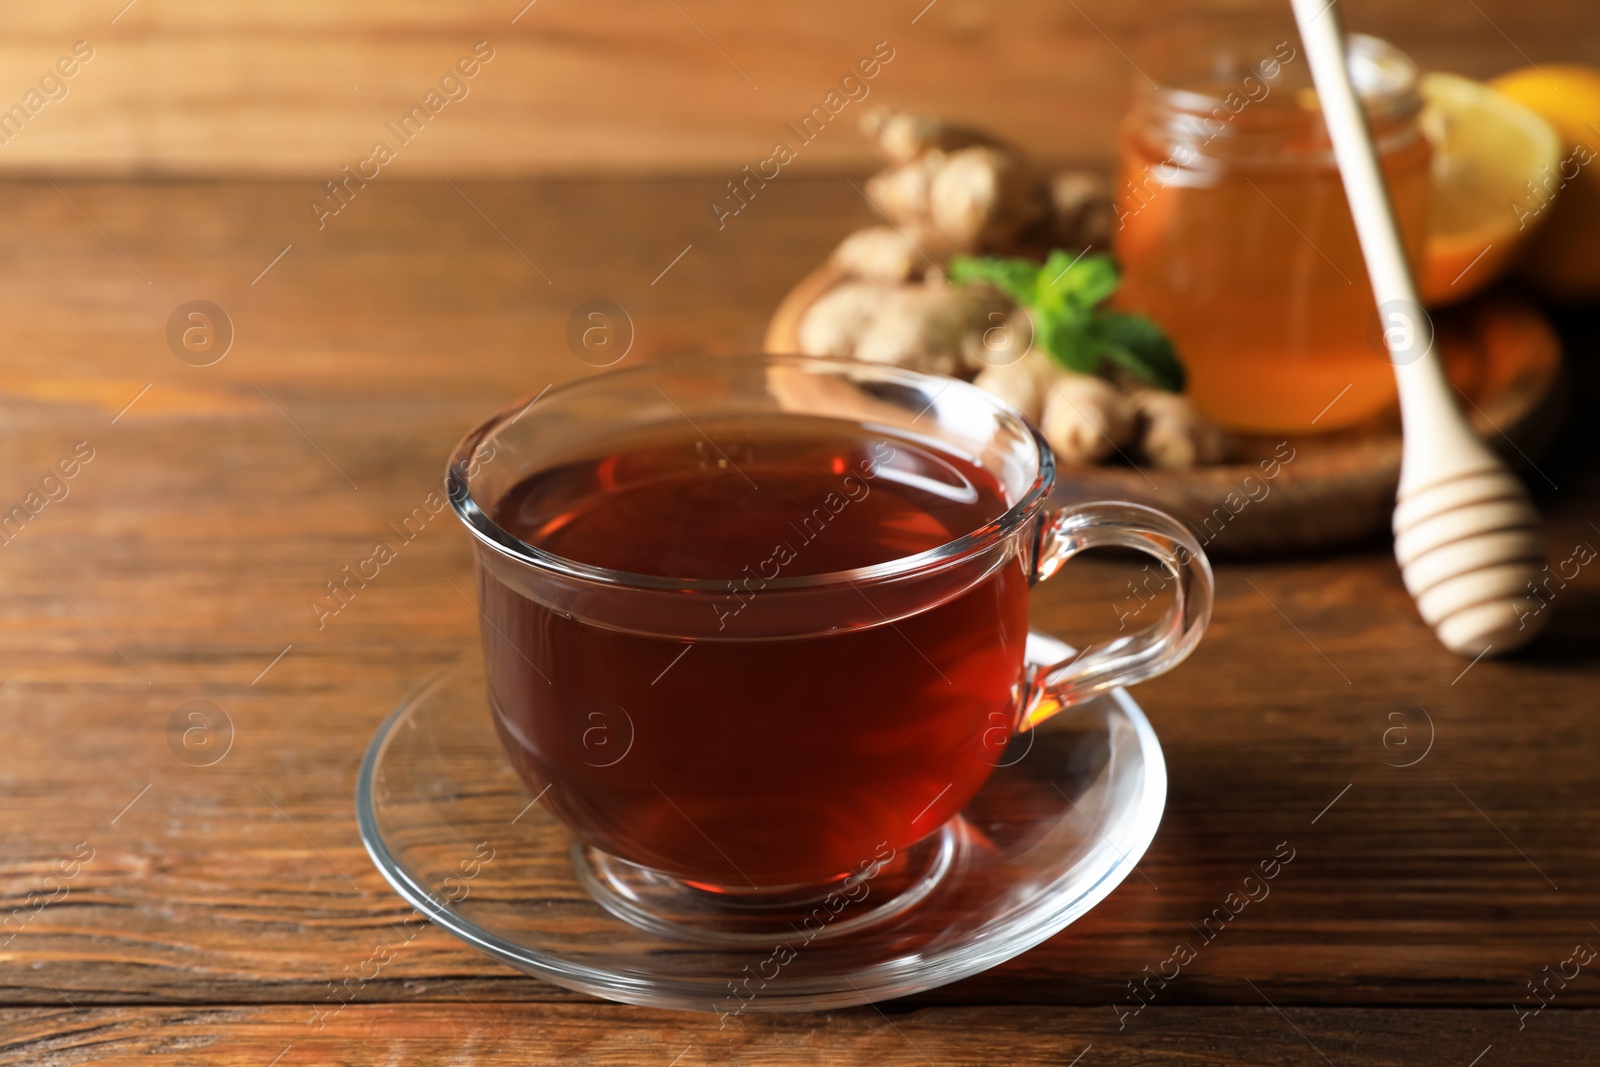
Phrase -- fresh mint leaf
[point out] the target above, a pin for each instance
(1137, 345)
(1065, 341)
(1082, 281)
(1064, 298)
(1014, 277)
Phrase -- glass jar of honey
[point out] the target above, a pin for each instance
(1233, 229)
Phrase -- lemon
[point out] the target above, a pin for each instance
(1560, 259)
(1486, 148)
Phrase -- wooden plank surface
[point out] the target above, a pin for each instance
(180, 563)
(303, 87)
(491, 1035)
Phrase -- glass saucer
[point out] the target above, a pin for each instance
(1067, 813)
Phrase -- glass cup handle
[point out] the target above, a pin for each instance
(1145, 653)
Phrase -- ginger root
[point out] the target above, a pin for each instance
(1005, 338)
(1022, 384)
(902, 136)
(833, 325)
(923, 327)
(965, 186)
(1174, 434)
(1086, 419)
(902, 192)
(884, 254)
(1083, 211)
(984, 196)
(950, 188)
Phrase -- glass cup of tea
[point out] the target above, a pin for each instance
(753, 627)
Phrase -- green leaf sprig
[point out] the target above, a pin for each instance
(1064, 298)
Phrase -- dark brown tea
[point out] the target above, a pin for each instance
(744, 757)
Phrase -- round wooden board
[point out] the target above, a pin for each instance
(1299, 492)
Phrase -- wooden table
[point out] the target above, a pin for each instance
(1442, 816)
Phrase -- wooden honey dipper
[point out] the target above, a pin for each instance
(1467, 536)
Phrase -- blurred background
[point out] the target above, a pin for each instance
(296, 89)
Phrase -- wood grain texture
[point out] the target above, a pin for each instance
(489, 1035)
(181, 562)
(302, 88)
